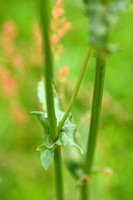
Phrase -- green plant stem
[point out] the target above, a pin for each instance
(44, 8)
(76, 89)
(95, 119)
(84, 191)
(58, 172)
(45, 21)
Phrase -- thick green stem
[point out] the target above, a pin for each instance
(84, 191)
(45, 21)
(44, 8)
(58, 171)
(96, 111)
(76, 89)
(95, 119)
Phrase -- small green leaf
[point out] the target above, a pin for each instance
(47, 142)
(46, 145)
(112, 48)
(42, 97)
(43, 120)
(68, 141)
(46, 158)
(49, 145)
(42, 147)
(68, 134)
(69, 127)
(59, 140)
(75, 168)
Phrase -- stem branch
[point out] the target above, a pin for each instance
(76, 89)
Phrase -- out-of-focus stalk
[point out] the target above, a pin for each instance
(94, 122)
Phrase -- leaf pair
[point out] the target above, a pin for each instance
(66, 137)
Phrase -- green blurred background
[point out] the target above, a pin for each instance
(21, 174)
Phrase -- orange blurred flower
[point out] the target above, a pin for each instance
(59, 26)
(8, 36)
(63, 73)
(18, 113)
(8, 83)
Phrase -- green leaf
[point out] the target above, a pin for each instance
(42, 97)
(112, 48)
(42, 147)
(49, 145)
(75, 168)
(119, 5)
(46, 158)
(47, 142)
(67, 133)
(58, 142)
(68, 141)
(43, 120)
(46, 145)
(60, 115)
(69, 127)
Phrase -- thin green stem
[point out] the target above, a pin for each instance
(95, 119)
(45, 21)
(76, 89)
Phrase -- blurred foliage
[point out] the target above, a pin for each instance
(21, 173)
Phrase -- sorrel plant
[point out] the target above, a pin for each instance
(59, 131)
